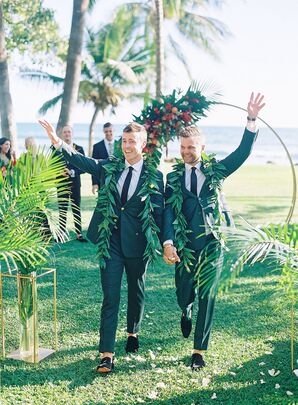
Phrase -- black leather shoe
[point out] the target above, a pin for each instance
(197, 362)
(106, 365)
(185, 325)
(132, 344)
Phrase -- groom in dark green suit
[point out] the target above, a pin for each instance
(195, 183)
(117, 226)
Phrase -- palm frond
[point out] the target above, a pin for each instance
(25, 196)
(50, 104)
(274, 244)
(40, 75)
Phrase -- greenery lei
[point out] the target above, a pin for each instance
(107, 206)
(214, 172)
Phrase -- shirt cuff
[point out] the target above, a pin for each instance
(58, 145)
(168, 242)
(251, 126)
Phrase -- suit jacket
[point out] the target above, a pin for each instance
(128, 224)
(99, 151)
(193, 207)
(74, 181)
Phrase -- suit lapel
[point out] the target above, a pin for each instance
(184, 189)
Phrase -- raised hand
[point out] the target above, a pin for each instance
(255, 105)
(50, 131)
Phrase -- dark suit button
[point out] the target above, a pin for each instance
(122, 208)
(137, 234)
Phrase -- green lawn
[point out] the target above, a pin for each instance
(251, 332)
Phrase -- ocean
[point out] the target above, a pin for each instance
(219, 140)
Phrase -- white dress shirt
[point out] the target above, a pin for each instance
(137, 168)
(200, 176)
(109, 146)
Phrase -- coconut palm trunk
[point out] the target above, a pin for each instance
(160, 54)
(73, 67)
(91, 130)
(8, 126)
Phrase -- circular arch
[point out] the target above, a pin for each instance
(294, 179)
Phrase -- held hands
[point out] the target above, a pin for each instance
(94, 188)
(255, 105)
(50, 131)
(170, 254)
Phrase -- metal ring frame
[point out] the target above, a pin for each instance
(294, 179)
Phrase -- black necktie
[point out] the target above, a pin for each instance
(125, 187)
(193, 181)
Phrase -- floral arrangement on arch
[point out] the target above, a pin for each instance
(163, 119)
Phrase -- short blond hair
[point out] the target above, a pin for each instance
(137, 128)
(192, 131)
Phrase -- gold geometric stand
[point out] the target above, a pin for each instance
(35, 354)
(41, 354)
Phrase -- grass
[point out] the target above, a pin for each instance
(251, 332)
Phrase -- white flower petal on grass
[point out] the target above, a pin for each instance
(159, 348)
(232, 373)
(140, 400)
(205, 381)
(153, 365)
(161, 385)
(214, 396)
(268, 352)
(262, 381)
(296, 372)
(261, 372)
(277, 386)
(152, 395)
(152, 355)
(140, 359)
(289, 393)
(262, 363)
(273, 372)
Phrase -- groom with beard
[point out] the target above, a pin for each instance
(194, 182)
(128, 242)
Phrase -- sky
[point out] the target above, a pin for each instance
(261, 56)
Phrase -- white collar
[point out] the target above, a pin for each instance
(137, 166)
(197, 166)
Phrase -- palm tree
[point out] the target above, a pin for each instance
(198, 29)
(74, 60)
(8, 127)
(160, 57)
(115, 65)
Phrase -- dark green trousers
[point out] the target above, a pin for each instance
(111, 279)
(187, 289)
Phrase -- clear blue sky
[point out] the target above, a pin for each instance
(261, 55)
